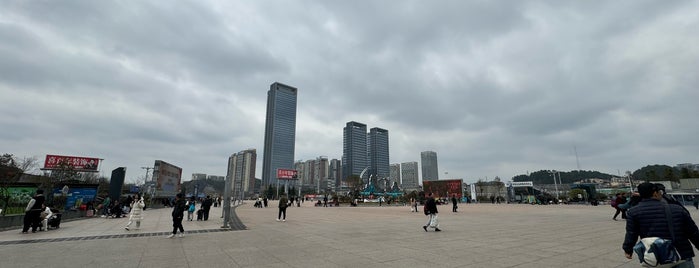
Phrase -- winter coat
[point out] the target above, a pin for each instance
(648, 219)
(137, 210)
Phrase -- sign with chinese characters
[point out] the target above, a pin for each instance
(287, 174)
(443, 188)
(78, 163)
(522, 184)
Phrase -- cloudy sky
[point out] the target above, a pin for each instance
(496, 88)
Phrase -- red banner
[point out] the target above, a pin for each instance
(76, 162)
(443, 188)
(287, 174)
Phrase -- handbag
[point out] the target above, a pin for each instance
(658, 252)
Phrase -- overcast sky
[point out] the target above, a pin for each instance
(496, 88)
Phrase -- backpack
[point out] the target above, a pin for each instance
(191, 207)
(613, 203)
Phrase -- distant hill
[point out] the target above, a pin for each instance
(545, 177)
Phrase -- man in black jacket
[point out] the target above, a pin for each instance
(431, 211)
(177, 215)
(206, 205)
(648, 219)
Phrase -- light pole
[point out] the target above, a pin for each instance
(553, 173)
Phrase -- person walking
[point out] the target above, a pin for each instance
(649, 219)
(32, 213)
(618, 200)
(453, 203)
(325, 201)
(136, 213)
(206, 205)
(431, 211)
(696, 203)
(177, 214)
(283, 202)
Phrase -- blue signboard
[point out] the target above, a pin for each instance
(77, 196)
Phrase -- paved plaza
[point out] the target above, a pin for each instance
(482, 235)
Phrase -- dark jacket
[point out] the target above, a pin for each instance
(648, 219)
(283, 202)
(39, 200)
(178, 209)
(430, 206)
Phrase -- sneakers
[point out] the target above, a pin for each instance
(171, 236)
(127, 228)
(425, 228)
(284, 220)
(437, 230)
(277, 219)
(180, 235)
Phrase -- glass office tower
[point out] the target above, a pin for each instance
(280, 131)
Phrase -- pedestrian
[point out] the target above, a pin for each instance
(431, 212)
(32, 213)
(136, 213)
(618, 200)
(414, 204)
(453, 203)
(283, 202)
(325, 200)
(106, 204)
(264, 200)
(696, 203)
(191, 207)
(206, 205)
(45, 215)
(649, 219)
(177, 215)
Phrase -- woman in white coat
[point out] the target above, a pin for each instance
(136, 214)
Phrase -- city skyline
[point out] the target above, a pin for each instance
(497, 89)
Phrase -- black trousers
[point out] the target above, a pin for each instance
(206, 213)
(32, 219)
(177, 224)
(282, 211)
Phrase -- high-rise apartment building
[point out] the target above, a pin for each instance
(378, 152)
(409, 175)
(429, 166)
(280, 131)
(394, 174)
(241, 170)
(354, 149)
(335, 173)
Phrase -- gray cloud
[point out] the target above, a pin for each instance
(495, 90)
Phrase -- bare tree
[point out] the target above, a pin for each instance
(28, 165)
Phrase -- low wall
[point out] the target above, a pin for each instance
(9, 222)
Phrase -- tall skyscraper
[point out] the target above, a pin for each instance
(241, 169)
(280, 131)
(429, 166)
(378, 152)
(395, 173)
(409, 175)
(354, 149)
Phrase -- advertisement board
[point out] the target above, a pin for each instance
(77, 196)
(167, 178)
(287, 174)
(443, 188)
(79, 163)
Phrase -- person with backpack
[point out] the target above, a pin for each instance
(191, 207)
(654, 218)
(431, 211)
